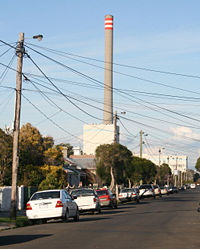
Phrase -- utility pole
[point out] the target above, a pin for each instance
(115, 128)
(141, 133)
(20, 52)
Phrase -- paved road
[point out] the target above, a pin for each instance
(167, 222)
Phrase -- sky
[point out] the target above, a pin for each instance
(156, 70)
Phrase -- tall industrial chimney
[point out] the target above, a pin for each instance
(108, 76)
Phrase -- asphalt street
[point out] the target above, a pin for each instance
(167, 222)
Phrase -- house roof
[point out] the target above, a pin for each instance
(84, 161)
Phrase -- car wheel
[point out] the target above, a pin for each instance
(66, 216)
(44, 221)
(32, 222)
(99, 210)
(76, 217)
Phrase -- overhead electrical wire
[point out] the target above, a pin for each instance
(61, 91)
(119, 64)
(83, 75)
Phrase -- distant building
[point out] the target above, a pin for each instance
(97, 134)
(77, 151)
(175, 162)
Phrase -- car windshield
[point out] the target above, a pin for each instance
(82, 192)
(145, 186)
(101, 192)
(46, 195)
(126, 190)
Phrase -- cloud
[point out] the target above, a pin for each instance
(182, 131)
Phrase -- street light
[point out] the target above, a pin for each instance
(38, 37)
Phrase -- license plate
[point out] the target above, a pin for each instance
(43, 206)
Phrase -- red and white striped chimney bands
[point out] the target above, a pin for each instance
(109, 23)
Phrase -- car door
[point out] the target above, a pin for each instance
(71, 204)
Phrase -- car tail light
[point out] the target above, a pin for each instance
(120, 195)
(28, 206)
(59, 204)
(94, 199)
(133, 193)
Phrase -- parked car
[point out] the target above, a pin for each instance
(157, 190)
(107, 198)
(192, 185)
(135, 195)
(175, 189)
(128, 194)
(86, 199)
(146, 190)
(164, 191)
(51, 204)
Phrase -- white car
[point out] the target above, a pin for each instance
(86, 199)
(128, 194)
(192, 185)
(157, 190)
(146, 190)
(164, 191)
(51, 204)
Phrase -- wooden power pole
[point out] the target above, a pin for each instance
(15, 162)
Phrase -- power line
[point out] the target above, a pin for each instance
(61, 91)
(118, 64)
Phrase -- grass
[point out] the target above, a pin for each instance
(21, 221)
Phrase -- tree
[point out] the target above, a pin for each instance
(53, 156)
(111, 161)
(35, 151)
(31, 146)
(5, 158)
(141, 169)
(48, 142)
(55, 178)
(163, 174)
(197, 166)
(68, 147)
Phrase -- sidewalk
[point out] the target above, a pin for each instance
(9, 225)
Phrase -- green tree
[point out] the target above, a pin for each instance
(35, 151)
(163, 173)
(68, 147)
(5, 158)
(53, 156)
(197, 166)
(111, 161)
(55, 178)
(31, 146)
(141, 169)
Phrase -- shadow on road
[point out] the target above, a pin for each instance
(85, 219)
(168, 211)
(16, 239)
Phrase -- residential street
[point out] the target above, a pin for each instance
(167, 222)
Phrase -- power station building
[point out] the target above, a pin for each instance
(97, 134)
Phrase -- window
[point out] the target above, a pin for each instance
(46, 195)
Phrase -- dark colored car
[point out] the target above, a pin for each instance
(107, 198)
(175, 189)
